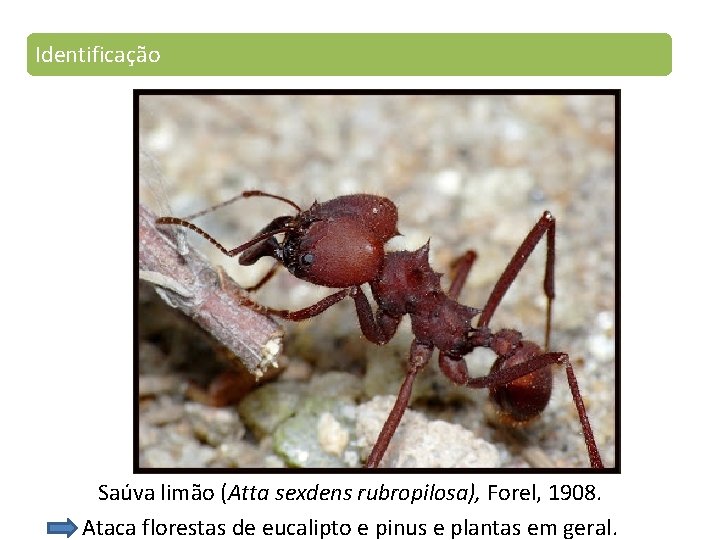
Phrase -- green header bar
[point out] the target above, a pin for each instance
(349, 54)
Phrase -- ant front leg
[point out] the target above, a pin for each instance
(300, 314)
(267, 277)
(378, 330)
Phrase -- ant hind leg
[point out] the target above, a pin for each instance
(546, 224)
(534, 363)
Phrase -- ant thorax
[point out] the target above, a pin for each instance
(408, 285)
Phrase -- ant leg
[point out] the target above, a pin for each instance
(378, 331)
(306, 313)
(546, 224)
(419, 356)
(595, 460)
(301, 314)
(460, 269)
(533, 363)
(267, 277)
(454, 368)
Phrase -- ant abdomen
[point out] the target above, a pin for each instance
(525, 397)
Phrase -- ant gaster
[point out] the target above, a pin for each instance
(341, 244)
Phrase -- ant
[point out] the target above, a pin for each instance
(340, 244)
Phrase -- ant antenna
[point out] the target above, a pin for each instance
(229, 252)
(243, 195)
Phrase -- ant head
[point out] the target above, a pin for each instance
(334, 253)
(341, 242)
(337, 243)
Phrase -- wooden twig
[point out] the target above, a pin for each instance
(189, 283)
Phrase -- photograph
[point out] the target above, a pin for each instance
(349, 280)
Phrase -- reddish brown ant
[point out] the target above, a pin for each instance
(340, 243)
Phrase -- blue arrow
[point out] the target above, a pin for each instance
(61, 527)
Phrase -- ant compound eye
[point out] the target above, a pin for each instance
(307, 259)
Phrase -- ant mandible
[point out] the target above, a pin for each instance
(340, 243)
